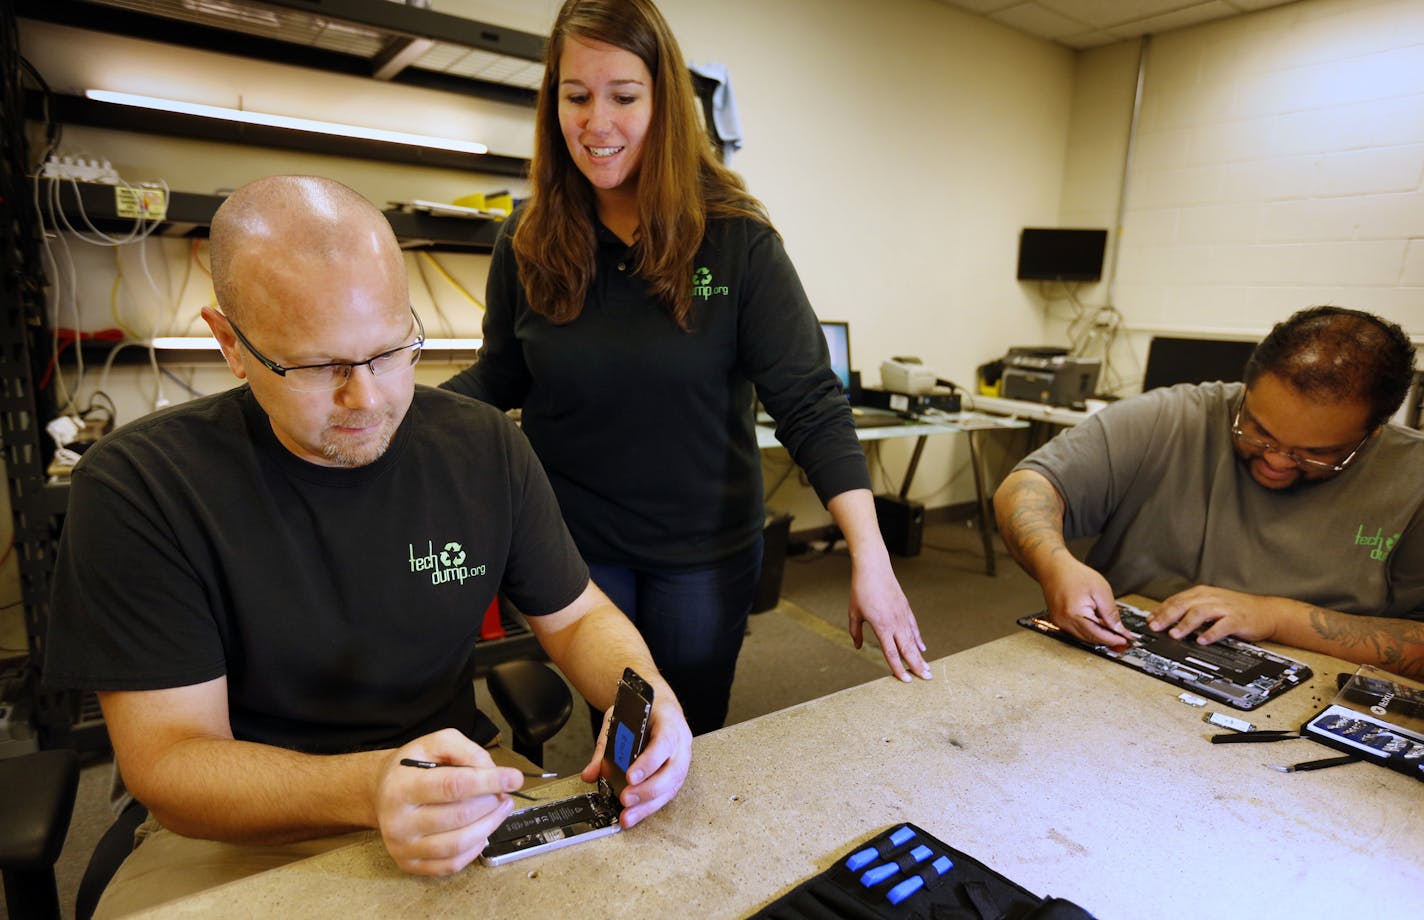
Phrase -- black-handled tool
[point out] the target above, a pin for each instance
(1254, 737)
(1314, 764)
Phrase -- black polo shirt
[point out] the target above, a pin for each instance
(646, 430)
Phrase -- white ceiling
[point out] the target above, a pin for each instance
(1089, 23)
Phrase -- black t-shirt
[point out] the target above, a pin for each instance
(342, 605)
(647, 430)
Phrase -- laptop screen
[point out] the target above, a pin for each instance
(838, 341)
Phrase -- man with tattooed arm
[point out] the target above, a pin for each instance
(1285, 508)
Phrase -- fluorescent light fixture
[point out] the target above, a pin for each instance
(284, 121)
(208, 343)
(185, 343)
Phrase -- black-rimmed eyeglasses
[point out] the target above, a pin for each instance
(1307, 463)
(315, 378)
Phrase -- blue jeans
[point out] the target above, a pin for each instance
(693, 622)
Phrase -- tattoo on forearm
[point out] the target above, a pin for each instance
(1395, 645)
(1032, 520)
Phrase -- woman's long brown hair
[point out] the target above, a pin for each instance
(680, 182)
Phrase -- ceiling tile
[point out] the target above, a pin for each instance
(1104, 14)
(983, 7)
(1038, 20)
(1086, 40)
(1089, 23)
(1253, 5)
(1191, 16)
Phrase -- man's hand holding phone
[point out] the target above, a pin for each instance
(639, 764)
(654, 776)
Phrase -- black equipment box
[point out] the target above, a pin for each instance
(910, 405)
(776, 536)
(902, 523)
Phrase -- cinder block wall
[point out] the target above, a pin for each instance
(1279, 163)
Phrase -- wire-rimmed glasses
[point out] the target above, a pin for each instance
(316, 378)
(1307, 463)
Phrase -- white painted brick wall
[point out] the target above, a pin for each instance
(1414, 263)
(1279, 163)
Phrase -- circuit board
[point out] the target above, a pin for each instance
(1230, 671)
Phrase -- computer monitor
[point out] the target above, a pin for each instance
(837, 335)
(1053, 254)
(1181, 360)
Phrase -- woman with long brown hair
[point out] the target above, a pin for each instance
(638, 304)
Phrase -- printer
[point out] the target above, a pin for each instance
(1048, 374)
(907, 375)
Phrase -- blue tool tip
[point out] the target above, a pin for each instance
(903, 890)
(860, 858)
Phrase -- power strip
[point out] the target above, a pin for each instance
(82, 169)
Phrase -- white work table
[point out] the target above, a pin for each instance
(966, 423)
(1070, 774)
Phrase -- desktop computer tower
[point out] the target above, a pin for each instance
(902, 523)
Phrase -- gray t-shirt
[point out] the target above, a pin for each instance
(1156, 478)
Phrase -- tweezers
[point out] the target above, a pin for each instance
(1253, 737)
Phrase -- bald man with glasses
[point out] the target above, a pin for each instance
(276, 591)
(1284, 508)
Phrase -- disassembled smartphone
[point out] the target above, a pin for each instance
(558, 823)
(1230, 671)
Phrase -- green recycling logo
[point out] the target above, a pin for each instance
(452, 555)
(702, 284)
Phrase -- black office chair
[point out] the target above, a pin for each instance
(37, 797)
(533, 700)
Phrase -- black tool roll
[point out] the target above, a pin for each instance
(905, 873)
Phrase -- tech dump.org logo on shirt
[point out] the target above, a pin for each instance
(1377, 543)
(444, 565)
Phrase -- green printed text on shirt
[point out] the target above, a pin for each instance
(1379, 545)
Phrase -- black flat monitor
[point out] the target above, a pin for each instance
(837, 335)
(1052, 254)
(1180, 360)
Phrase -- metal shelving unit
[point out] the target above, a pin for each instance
(37, 508)
(375, 39)
(371, 38)
(189, 214)
(379, 39)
